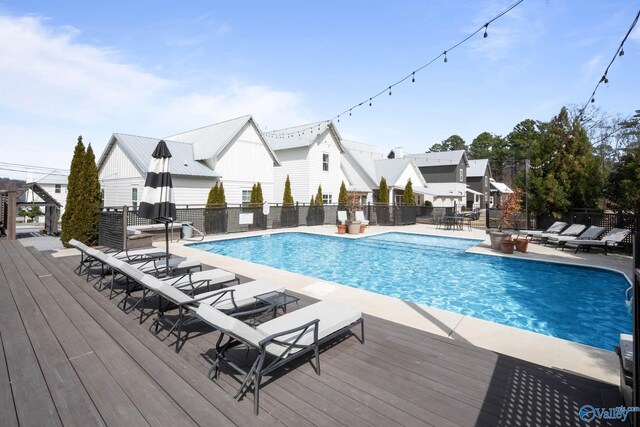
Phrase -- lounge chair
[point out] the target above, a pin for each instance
(360, 217)
(278, 341)
(572, 230)
(591, 233)
(610, 240)
(555, 228)
(139, 255)
(342, 217)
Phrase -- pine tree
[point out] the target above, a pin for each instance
(287, 198)
(312, 202)
(383, 192)
(253, 197)
(74, 193)
(343, 199)
(409, 199)
(91, 200)
(222, 200)
(212, 200)
(259, 198)
(318, 201)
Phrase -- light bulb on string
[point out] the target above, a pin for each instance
(486, 27)
(413, 77)
(445, 56)
(370, 102)
(389, 90)
(593, 100)
(621, 51)
(350, 112)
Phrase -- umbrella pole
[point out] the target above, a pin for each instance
(166, 235)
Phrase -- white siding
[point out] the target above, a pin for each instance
(331, 179)
(118, 166)
(246, 159)
(192, 191)
(294, 164)
(117, 192)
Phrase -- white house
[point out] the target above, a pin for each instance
(364, 166)
(310, 155)
(232, 152)
(54, 183)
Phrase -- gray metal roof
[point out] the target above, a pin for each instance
(356, 180)
(438, 158)
(139, 148)
(209, 141)
(55, 177)
(365, 156)
(391, 169)
(477, 167)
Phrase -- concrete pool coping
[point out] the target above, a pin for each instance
(534, 347)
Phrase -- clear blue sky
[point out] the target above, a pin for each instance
(155, 68)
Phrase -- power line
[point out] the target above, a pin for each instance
(604, 78)
(388, 88)
(34, 167)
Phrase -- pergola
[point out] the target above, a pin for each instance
(9, 205)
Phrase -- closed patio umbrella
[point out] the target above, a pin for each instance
(157, 196)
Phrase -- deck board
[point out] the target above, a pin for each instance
(400, 376)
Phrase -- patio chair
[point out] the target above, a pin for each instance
(342, 217)
(278, 341)
(591, 233)
(572, 230)
(555, 228)
(607, 243)
(360, 217)
(139, 255)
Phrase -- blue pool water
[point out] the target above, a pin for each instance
(584, 305)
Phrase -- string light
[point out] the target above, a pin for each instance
(604, 79)
(412, 75)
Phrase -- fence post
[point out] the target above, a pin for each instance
(486, 215)
(125, 226)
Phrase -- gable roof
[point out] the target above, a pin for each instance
(477, 167)
(357, 182)
(54, 177)
(500, 187)
(301, 136)
(363, 157)
(138, 150)
(209, 141)
(439, 158)
(47, 198)
(392, 169)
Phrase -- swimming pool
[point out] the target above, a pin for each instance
(580, 304)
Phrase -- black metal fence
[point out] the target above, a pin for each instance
(111, 232)
(239, 218)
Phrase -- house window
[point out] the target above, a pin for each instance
(326, 199)
(461, 175)
(246, 197)
(399, 199)
(134, 198)
(325, 161)
(102, 196)
(58, 188)
(486, 180)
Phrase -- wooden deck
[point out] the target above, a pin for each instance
(72, 357)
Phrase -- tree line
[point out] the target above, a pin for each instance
(574, 161)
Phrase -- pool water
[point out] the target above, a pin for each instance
(580, 304)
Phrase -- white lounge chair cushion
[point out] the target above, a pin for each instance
(243, 294)
(231, 325)
(136, 253)
(176, 263)
(213, 277)
(557, 238)
(626, 350)
(333, 317)
(614, 236)
(360, 217)
(165, 290)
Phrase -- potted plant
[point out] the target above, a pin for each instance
(506, 246)
(521, 244)
(510, 207)
(354, 227)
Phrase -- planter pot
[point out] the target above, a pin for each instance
(507, 246)
(342, 228)
(496, 237)
(521, 245)
(362, 227)
(354, 227)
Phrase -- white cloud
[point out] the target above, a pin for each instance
(55, 87)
